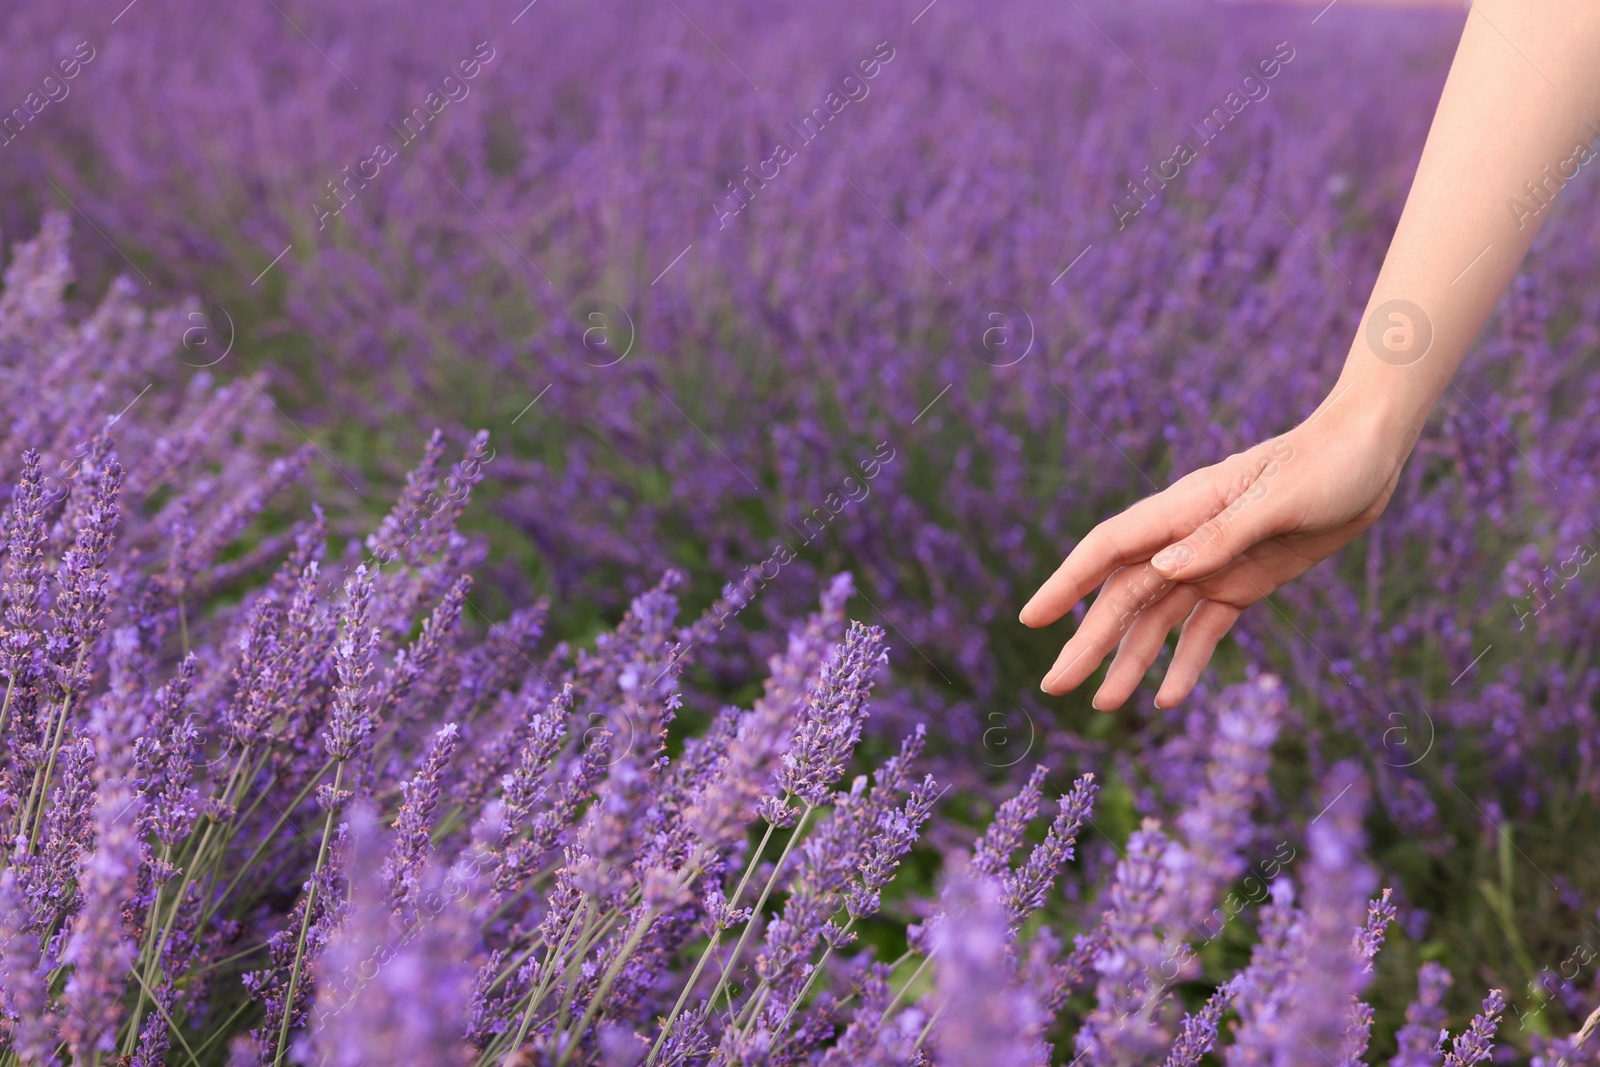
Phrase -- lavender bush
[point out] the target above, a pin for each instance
(327, 822)
(940, 409)
(963, 318)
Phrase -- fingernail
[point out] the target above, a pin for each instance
(1166, 559)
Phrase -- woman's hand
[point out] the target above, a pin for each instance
(1215, 542)
(1523, 94)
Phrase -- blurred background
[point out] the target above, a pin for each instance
(917, 292)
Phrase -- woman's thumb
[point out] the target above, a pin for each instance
(1172, 560)
(1216, 542)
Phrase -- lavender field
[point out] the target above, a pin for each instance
(515, 517)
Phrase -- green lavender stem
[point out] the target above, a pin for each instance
(305, 920)
(766, 891)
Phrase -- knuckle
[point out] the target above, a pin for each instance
(1210, 532)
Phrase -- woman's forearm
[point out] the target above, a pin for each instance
(1519, 110)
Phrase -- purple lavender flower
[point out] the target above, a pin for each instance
(413, 826)
(1262, 989)
(868, 1039)
(831, 724)
(1026, 887)
(526, 786)
(1425, 1019)
(427, 653)
(167, 758)
(25, 980)
(1215, 825)
(985, 1019)
(688, 1041)
(1330, 969)
(991, 855)
(406, 518)
(1300, 992)
(23, 572)
(1199, 1033)
(98, 950)
(737, 780)
(847, 859)
(355, 655)
(51, 878)
(1368, 940)
(390, 993)
(1477, 1043)
(892, 838)
(278, 653)
(1132, 961)
(1369, 937)
(321, 911)
(79, 613)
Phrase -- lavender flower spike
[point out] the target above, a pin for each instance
(1369, 938)
(1025, 889)
(24, 980)
(390, 995)
(985, 1018)
(1425, 1018)
(24, 572)
(831, 724)
(992, 853)
(356, 655)
(413, 826)
(97, 950)
(1200, 1029)
(1477, 1043)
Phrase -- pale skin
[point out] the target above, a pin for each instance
(1522, 95)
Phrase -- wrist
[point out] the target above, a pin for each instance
(1377, 415)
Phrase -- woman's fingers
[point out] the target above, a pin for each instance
(1114, 543)
(1226, 536)
(1141, 644)
(1249, 519)
(1202, 631)
(1196, 529)
(1131, 537)
(1127, 593)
